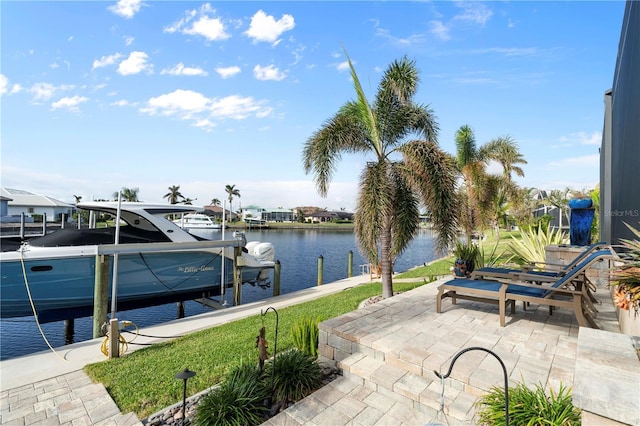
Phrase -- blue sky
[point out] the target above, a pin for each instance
(97, 95)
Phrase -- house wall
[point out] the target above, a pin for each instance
(53, 213)
(620, 151)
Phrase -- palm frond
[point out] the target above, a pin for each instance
(405, 214)
(374, 201)
(323, 150)
(432, 173)
(465, 146)
(365, 112)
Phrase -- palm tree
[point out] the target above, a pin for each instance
(174, 195)
(480, 188)
(215, 202)
(472, 167)
(401, 174)
(128, 194)
(233, 192)
(188, 201)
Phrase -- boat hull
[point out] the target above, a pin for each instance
(63, 287)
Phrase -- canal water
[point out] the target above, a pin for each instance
(297, 251)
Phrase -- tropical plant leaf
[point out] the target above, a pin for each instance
(530, 245)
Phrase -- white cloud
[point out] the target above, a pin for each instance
(16, 88)
(70, 103)
(195, 107)
(474, 12)
(401, 41)
(440, 30)
(509, 51)
(269, 72)
(180, 69)
(134, 64)
(126, 8)
(592, 160)
(44, 91)
(179, 101)
(199, 22)
(4, 82)
(344, 66)
(237, 107)
(105, 61)
(264, 27)
(121, 103)
(594, 138)
(205, 124)
(582, 138)
(226, 72)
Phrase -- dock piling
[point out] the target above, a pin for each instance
(101, 294)
(276, 279)
(320, 267)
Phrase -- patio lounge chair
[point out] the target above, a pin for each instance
(551, 273)
(568, 291)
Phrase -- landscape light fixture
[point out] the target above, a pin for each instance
(184, 375)
(504, 371)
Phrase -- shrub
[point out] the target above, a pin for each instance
(239, 400)
(530, 245)
(528, 407)
(305, 335)
(296, 375)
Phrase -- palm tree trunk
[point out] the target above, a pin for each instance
(385, 259)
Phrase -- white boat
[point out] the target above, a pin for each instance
(196, 221)
(158, 262)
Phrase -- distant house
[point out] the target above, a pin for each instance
(559, 217)
(216, 213)
(252, 211)
(268, 215)
(328, 216)
(4, 205)
(33, 205)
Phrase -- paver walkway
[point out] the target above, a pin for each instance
(388, 353)
(71, 399)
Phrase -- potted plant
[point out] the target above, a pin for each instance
(582, 213)
(626, 275)
(466, 255)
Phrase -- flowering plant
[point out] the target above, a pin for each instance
(626, 277)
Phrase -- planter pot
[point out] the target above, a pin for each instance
(463, 268)
(580, 226)
(580, 203)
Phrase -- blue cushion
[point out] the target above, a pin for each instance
(495, 287)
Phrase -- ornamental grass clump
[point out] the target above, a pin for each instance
(239, 400)
(296, 375)
(528, 406)
(305, 335)
(529, 245)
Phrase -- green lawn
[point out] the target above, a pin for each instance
(143, 381)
